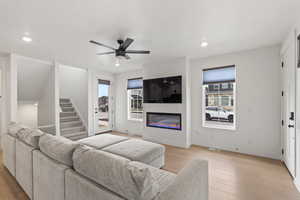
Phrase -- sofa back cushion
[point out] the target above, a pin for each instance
(116, 173)
(30, 136)
(14, 128)
(58, 148)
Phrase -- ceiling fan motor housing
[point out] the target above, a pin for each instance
(120, 53)
(120, 41)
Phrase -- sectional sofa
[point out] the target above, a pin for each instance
(104, 167)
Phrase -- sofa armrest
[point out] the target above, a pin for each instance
(190, 184)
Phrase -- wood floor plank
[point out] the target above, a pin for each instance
(232, 176)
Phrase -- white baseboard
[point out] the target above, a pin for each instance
(297, 184)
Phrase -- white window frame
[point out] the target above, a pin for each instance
(129, 105)
(219, 126)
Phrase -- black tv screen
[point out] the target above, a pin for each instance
(163, 90)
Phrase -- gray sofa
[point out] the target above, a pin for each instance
(51, 167)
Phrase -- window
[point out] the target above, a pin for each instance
(219, 97)
(135, 99)
(216, 86)
(225, 86)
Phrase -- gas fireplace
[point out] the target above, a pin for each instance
(164, 120)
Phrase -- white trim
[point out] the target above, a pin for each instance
(90, 127)
(56, 98)
(297, 184)
(136, 120)
(128, 107)
(34, 59)
(78, 112)
(3, 108)
(297, 146)
(12, 89)
(95, 75)
(219, 126)
(74, 67)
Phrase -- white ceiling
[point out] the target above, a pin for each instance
(61, 29)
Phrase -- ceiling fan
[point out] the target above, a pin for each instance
(122, 51)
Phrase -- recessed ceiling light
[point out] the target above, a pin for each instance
(26, 39)
(117, 62)
(204, 44)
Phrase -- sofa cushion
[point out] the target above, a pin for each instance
(14, 128)
(137, 150)
(30, 136)
(58, 148)
(162, 177)
(24, 170)
(102, 140)
(115, 173)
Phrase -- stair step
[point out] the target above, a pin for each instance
(67, 114)
(69, 119)
(70, 124)
(76, 136)
(64, 100)
(65, 131)
(66, 105)
(67, 109)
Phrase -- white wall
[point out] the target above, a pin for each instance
(36, 84)
(28, 114)
(154, 70)
(1, 99)
(174, 67)
(11, 98)
(73, 84)
(4, 106)
(122, 123)
(46, 103)
(257, 103)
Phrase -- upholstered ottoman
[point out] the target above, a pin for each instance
(139, 150)
(102, 140)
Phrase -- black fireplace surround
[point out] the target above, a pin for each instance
(164, 120)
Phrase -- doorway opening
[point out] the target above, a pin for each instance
(103, 102)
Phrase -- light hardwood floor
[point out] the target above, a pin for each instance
(232, 176)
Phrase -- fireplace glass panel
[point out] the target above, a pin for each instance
(164, 120)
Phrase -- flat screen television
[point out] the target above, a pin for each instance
(163, 90)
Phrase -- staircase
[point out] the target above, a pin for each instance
(71, 125)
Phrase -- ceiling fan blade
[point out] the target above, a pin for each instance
(126, 43)
(106, 53)
(127, 57)
(137, 52)
(100, 44)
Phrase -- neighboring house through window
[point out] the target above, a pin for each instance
(219, 97)
(135, 99)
